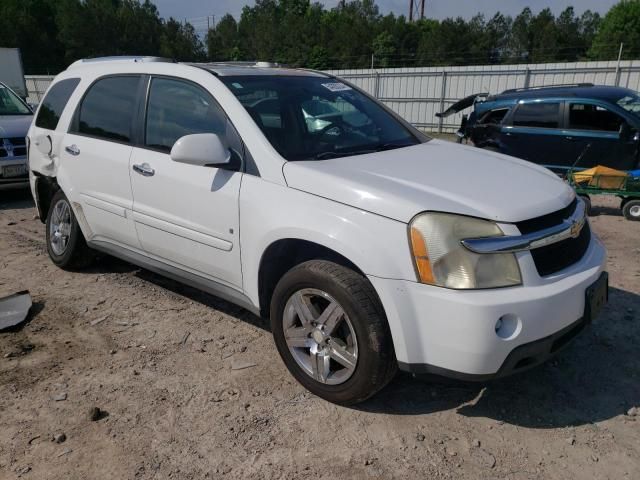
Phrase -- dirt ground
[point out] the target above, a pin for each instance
(158, 359)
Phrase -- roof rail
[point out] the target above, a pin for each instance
(123, 58)
(559, 85)
(240, 64)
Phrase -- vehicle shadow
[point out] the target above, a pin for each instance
(16, 199)
(205, 299)
(594, 379)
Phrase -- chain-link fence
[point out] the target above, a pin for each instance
(417, 94)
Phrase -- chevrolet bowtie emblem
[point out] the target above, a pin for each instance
(576, 228)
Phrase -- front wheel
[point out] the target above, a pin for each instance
(331, 332)
(65, 243)
(631, 210)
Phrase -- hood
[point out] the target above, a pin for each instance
(14, 125)
(438, 176)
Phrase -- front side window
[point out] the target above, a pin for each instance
(107, 110)
(538, 114)
(176, 108)
(307, 118)
(12, 104)
(584, 116)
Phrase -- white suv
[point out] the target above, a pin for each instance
(295, 195)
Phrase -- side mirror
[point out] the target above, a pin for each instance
(625, 131)
(43, 144)
(204, 149)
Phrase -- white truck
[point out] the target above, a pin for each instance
(292, 193)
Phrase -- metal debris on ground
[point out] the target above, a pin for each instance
(14, 309)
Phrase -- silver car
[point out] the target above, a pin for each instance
(15, 119)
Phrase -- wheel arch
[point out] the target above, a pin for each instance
(45, 188)
(284, 254)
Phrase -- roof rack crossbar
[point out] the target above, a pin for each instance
(542, 87)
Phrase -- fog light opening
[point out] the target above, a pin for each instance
(508, 326)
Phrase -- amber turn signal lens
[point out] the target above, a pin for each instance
(421, 256)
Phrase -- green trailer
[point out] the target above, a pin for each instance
(627, 188)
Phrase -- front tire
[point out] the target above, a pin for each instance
(65, 242)
(331, 332)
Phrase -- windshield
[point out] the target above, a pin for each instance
(315, 118)
(631, 103)
(10, 103)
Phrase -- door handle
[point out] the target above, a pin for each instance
(144, 169)
(72, 150)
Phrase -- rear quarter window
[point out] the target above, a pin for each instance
(54, 103)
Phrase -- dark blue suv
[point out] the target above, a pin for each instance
(580, 125)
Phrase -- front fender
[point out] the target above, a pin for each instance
(377, 245)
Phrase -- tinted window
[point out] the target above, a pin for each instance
(108, 108)
(176, 109)
(307, 117)
(494, 117)
(544, 115)
(54, 103)
(592, 117)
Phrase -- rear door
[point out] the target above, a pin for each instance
(186, 215)
(95, 154)
(594, 129)
(533, 132)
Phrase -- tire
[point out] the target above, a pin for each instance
(357, 325)
(631, 210)
(587, 204)
(65, 242)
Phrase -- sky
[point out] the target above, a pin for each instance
(196, 11)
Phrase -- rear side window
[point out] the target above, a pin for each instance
(107, 110)
(541, 115)
(494, 117)
(54, 103)
(593, 117)
(178, 108)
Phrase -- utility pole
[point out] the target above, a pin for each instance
(416, 10)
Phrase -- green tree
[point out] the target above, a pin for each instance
(620, 25)
(222, 40)
(180, 42)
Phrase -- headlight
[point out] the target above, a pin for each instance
(442, 260)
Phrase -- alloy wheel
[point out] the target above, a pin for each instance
(320, 336)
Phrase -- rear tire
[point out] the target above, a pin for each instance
(331, 332)
(65, 242)
(631, 210)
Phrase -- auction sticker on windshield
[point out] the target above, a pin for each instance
(336, 87)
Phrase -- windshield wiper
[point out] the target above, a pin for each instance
(392, 146)
(334, 154)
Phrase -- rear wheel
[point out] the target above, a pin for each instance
(65, 243)
(631, 210)
(329, 327)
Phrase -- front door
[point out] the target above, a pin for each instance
(186, 215)
(595, 130)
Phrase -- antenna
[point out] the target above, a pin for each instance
(416, 10)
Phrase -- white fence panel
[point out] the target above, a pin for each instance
(417, 94)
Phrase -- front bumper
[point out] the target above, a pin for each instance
(453, 332)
